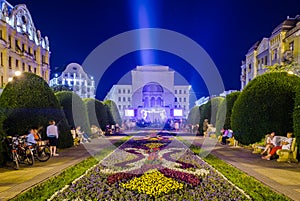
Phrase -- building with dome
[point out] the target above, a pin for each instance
(152, 95)
(22, 47)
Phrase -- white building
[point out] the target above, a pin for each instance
(74, 78)
(152, 92)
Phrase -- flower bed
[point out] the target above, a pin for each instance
(151, 167)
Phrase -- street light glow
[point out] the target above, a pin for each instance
(18, 73)
(290, 72)
(10, 79)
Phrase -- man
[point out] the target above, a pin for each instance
(31, 137)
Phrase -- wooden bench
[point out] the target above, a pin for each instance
(231, 141)
(259, 147)
(288, 155)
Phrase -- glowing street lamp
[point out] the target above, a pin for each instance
(18, 73)
(10, 79)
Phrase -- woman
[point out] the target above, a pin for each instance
(271, 142)
(52, 134)
(285, 144)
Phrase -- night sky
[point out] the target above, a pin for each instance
(225, 29)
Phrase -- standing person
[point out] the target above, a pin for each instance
(52, 134)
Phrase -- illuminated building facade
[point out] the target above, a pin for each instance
(152, 96)
(22, 48)
(75, 79)
(282, 47)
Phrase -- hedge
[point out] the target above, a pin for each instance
(27, 101)
(114, 111)
(209, 111)
(296, 119)
(194, 116)
(74, 109)
(98, 114)
(225, 111)
(266, 104)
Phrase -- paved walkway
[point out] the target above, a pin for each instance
(13, 182)
(283, 177)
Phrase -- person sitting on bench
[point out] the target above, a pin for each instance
(227, 134)
(285, 144)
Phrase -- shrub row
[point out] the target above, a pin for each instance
(27, 101)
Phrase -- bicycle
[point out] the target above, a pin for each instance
(41, 151)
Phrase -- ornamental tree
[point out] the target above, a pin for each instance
(27, 101)
(114, 111)
(265, 105)
(98, 113)
(296, 119)
(225, 111)
(74, 109)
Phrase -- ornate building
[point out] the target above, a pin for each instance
(75, 79)
(152, 95)
(22, 47)
(283, 46)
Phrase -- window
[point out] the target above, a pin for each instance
(1, 59)
(128, 91)
(266, 60)
(17, 45)
(34, 54)
(23, 47)
(179, 99)
(17, 63)
(291, 46)
(9, 62)
(184, 91)
(120, 107)
(119, 99)
(128, 106)
(124, 106)
(119, 91)
(175, 100)
(128, 98)
(1, 37)
(175, 91)
(34, 70)
(29, 68)
(184, 99)
(23, 66)
(123, 91)
(124, 99)
(9, 40)
(249, 68)
(180, 91)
